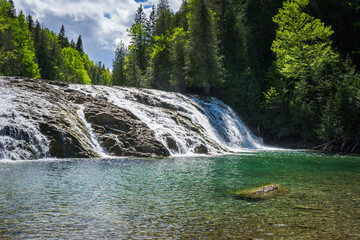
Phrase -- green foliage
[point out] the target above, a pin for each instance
(17, 55)
(48, 53)
(139, 45)
(25, 46)
(75, 64)
(63, 40)
(159, 62)
(202, 58)
(29, 50)
(303, 44)
(319, 89)
(118, 76)
(177, 59)
(6, 48)
(79, 45)
(132, 71)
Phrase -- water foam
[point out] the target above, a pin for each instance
(20, 137)
(187, 121)
(186, 125)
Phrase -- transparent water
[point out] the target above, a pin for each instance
(178, 198)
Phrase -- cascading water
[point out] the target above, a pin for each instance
(94, 143)
(20, 137)
(184, 124)
(39, 120)
(22, 113)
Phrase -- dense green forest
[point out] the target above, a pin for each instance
(30, 50)
(289, 68)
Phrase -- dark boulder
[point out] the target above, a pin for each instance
(202, 149)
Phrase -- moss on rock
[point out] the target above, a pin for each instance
(260, 193)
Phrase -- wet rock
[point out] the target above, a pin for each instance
(121, 132)
(260, 193)
(62, 143)
(55, 107)
(171, 143)
(266, 189)
(108, 141)
(201, 149)
(116, 150)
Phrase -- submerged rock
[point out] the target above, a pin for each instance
(260, 193)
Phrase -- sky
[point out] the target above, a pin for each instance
(101, 24)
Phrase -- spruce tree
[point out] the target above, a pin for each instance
(181, 20)
(63, 40)
(12, 10)
(139, 45)
(150, 26)
(79, 45)
(140, 16)
(203, 62)
(160, 59)
(30, 22)
(163, 18)
(118, 76)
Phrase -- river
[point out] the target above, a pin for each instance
(181, 197)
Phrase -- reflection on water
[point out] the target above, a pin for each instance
(181, 198)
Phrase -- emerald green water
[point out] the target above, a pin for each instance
(181, 198)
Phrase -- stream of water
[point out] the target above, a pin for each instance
(181, 198)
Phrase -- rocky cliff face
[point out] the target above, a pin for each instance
(62, 116)
(40, 119)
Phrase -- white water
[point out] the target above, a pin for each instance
(94, 143)
(190, 121)
(20, 137)
(184, 121)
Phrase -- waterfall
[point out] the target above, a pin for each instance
(40, 120)
(184, 124)
(91, 136)
(20, 137)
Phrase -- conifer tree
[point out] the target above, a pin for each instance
(118, 76)
(132, 70)
(72, 44)
(137, 32)
(79, 45)
(12, 10)
(140, 16)
(64, 42)
(203, 62)
(181, 20)
(7, 43)
(30, 22)
(160, 59)
(317, 80)
(163, 18)
(150, 26)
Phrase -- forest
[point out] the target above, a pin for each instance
(289, 68)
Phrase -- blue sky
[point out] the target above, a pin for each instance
(101, 24)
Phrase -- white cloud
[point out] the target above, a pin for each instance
(99, 33)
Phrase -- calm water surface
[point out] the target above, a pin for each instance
(181, 198)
